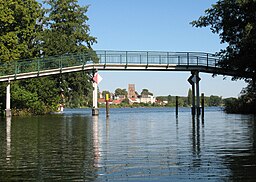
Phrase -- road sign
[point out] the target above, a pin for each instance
(194, 79)
(97, 78)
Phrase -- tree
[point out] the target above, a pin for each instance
(19, 32)
(66, 29)
(120, 91)
(169, 99)
(214, 100)
(189, 98)
(105, 92)
(146, 92)
(235, 22)
(66, 32)
(18, 29)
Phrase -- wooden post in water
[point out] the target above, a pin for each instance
(177, 105)
(193, 100)
(202, 103)
(107, 105)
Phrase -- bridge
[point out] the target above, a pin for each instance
(113, 60)
(92, 61)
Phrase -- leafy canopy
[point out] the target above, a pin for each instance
(18, 29)
(66, 28)
(235, 22)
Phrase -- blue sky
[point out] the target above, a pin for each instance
(159, 25)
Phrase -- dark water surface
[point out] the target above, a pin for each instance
(136, 144)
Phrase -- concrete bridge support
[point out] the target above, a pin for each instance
(8, 100)
(95, 109)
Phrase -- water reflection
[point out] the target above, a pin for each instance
(96, 140)
(8, 139)
(196, 147)
(242, 158)
(49, 148)
(133, 144)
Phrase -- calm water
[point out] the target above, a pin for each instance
(136, 144)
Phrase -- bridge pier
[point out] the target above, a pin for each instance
(8, 100)
(95, 109)
(194, 81)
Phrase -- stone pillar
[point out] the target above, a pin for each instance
(8, 100)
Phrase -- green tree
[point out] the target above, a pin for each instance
(105, 92)
(235, 23)
(66, 29)
(19, 37)
(36, 96)
(65, 32)
(189, 98)
(146, 92)
(215, 101)
(18, 29)
(169, 99)
(120, 91)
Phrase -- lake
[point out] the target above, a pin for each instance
(133, 144)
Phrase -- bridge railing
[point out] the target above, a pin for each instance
(109, 57)
(44, 63)
(144, 57)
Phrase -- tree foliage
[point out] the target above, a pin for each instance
(189, 97)
(120, 91)
(26, 31)
(66, 32)
(146, 92)
(235, 22)
(18, 29)
(66, 29)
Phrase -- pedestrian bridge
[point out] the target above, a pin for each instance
(113, 60)
(92, 61)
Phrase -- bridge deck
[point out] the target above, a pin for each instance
(113, 60)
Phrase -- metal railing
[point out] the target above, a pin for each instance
(152, 57)
(109, 57)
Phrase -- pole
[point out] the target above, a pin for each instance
(107, 105)
(197, 95)
(193, 99)
(177, 105)
(202, 102)
(8, 100)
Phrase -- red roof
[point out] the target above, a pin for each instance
(116, 101)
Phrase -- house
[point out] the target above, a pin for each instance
(147, 99)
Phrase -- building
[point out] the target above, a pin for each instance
(131, 91)
(147, 99)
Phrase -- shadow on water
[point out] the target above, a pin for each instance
(240, 160)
